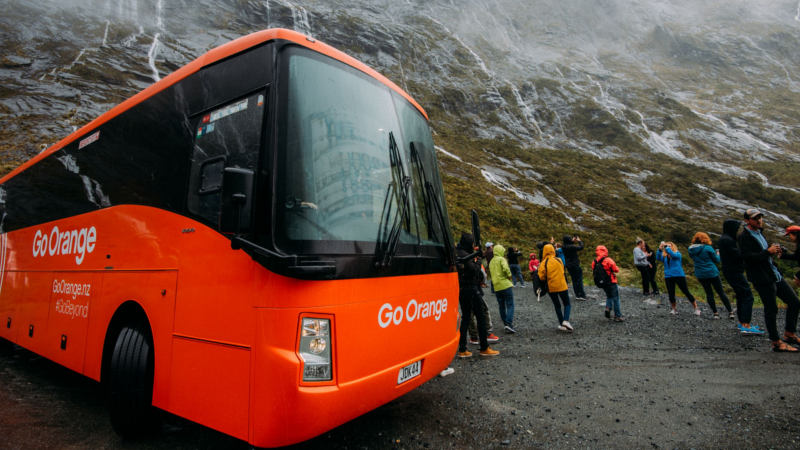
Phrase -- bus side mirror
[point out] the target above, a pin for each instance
(237, 196)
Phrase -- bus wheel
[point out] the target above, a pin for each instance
(129, 391)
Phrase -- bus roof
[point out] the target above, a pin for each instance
(212, 56)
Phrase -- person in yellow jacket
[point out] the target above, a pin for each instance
(551, 271)
(501, 280)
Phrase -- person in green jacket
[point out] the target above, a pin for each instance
(501, 280)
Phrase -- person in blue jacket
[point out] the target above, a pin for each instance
(673, 275)
(705, 269)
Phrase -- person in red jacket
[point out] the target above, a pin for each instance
(611, 290)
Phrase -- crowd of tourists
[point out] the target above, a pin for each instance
(738, 253)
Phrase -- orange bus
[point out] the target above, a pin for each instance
(258, 243)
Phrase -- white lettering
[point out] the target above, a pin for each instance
(388, 314)
(70, 242)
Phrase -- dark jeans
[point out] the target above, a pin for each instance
(612, 299)
(469, 297)
(715, 284)
(505, 301)
(648, 280)
(516, 274)
(744, 296)
(564, 296)
(781, 290)
(653, 270)
(681, 282)
(576, 273)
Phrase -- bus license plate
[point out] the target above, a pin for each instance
(408, 372)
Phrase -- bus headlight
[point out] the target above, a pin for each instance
(315, 349)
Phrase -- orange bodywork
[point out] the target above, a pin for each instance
(225, 329)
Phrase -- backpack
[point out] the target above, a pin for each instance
(601, 278)
(539, 285)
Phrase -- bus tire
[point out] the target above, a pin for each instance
(129, 389)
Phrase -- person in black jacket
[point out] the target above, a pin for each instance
(571, 246)
(469, 297)
(513, 263)
(733, 271)
(768, 281)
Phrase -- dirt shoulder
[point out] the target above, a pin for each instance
(653, 381)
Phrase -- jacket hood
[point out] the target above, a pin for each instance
(548, 250)
(499, 250)
(466, 242)
(566, 240)
(601, 251)
(731, 227)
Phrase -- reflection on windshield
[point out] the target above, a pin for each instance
(335, 157)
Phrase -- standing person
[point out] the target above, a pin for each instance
(513, 262)
(533, 264)
(470, 297)
(705, 269)
(488, 254)
(673, 275)
(572, 245)
(651, 258)
(793, 231)
(501, 280)
(641, 263)
(551, 271)
(733, 270)
(483, 308)
(612, 290)
(768, 281)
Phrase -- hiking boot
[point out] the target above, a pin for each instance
(489, 352)
(492, 338)
(464, 354)
(608, 314)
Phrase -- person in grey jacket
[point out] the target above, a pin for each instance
(705, 269)
(642, 262)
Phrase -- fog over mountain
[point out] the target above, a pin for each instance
(657, 114)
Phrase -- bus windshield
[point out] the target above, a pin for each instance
(335, 173)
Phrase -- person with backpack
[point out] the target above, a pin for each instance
(733, 271)
(501, 280)
(470, 297)
(551, 272)
(705, 269)
(604, 271)
(673, 275)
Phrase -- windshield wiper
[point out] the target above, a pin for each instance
(433, 207)
(388, 237)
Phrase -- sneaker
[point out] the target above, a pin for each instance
(492, 338)
(716, 315)
(509, 330)
(562, 328)
(473, 341)
(732, 315)
(619, 319)
(489, 352)
(674, 312)
(697, 312)
(567, 325)
(464, 354)
(446, 372)
(523, 284)
(750, 331)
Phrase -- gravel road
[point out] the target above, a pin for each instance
(653, 381)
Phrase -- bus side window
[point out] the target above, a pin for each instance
(226, 136)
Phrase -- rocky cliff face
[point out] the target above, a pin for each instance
(648, 117)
